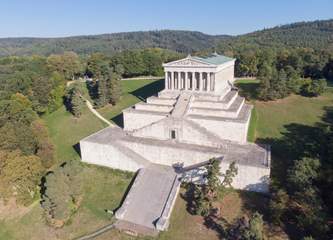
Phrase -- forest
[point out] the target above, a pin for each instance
(316, 35)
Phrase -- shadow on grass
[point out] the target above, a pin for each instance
(249, 90)
(118, 120)
(148, 90)
(142, 93)
(126, 192)
(92, 89)
(77, 149)
(297, 141)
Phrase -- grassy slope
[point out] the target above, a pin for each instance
(134, 91)
(103, 188)
(271, 117)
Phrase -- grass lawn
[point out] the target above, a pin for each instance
(66, 131)
(103, 189)
(134, 91)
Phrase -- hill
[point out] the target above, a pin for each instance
(180, 41)
(315, 34)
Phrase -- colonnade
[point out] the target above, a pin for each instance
(192, 81)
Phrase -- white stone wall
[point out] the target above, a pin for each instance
(185, 133)
(169, 155)
(156, 130)
(107, 155)
(222, 77)
(249, 177)
(134, 120)
(234, 131)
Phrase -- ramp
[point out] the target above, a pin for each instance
(147, 207)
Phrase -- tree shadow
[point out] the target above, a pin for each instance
(126, 192)
(297, 141)
(249, 90)
(219, 225)
(77, 149)
(149, 90)
(92, 89)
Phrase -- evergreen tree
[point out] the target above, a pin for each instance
(61, 193)
(255, 229)
(229, 175)
(264, 75)
(115, 87)
(281, 85)
(77, 103)
(74, 100)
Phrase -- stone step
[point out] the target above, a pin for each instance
(161, 101)
(231, 112)
(243, 116)
(153, 107)
(218, 104)
(182, 105)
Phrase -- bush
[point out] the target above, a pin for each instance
(61, 194)
(314, 87)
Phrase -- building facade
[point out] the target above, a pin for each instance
(199, 115)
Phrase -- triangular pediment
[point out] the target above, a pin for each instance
(187, 62)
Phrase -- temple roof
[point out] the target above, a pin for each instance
(214, 58)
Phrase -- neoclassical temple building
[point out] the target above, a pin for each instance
(198, 116)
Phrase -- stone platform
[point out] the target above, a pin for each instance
(148, 205)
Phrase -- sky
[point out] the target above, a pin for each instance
(59, 18)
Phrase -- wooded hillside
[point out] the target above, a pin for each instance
(316, 35)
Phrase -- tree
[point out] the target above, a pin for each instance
(67, 64)
(229, 175)
(61, 193)
(314, 87)
(264, 75)
(74, 100)
(255, 230)
(328, 70)
(278, 205)
(213, 178)
(248, 229)
(19, 176)
(44, 146)
(303, 173)
(115, 86)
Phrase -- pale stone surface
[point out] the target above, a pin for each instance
(151, 198)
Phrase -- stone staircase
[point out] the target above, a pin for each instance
(212, 109)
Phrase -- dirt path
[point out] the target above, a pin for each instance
(97, 114)
(90, 106)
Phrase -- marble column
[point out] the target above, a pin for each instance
(171, 79)
(179, 80)
(194, 82)
(208, 82)
(201, 80)
(166, 85)
(186, 80)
